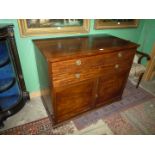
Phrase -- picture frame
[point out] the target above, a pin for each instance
(40, 27)
(115, 23)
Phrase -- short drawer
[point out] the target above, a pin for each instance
(84, 63)
(71, 78)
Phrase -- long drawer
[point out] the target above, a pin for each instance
(86, 63)
(71, 78)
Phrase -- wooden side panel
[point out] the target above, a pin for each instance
(45, 83)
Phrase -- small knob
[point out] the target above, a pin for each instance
(77, 75)
(116, 66)
(119, 54)
(96, 95)
(78, 62)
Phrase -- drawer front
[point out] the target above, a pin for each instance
(106, 59)
(71, 78)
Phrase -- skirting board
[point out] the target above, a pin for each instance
(39, 93)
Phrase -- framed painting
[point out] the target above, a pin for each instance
(115, 23)
(38, 27)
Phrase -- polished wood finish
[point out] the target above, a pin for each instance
(74, 100)
(84, 72)
(74, 47)
(110, 87)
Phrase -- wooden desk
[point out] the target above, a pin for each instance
(84, 72)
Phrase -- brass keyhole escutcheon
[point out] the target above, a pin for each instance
(78, 62)
(116, 66)
(120, 55)
(96, 95)
(77, 75)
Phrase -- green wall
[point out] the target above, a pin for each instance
(26, 48)
(147, 36)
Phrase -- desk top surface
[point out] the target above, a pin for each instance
(58, 49)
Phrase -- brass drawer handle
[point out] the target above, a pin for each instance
(77, 75)
(120, 54)
(116, 66)
(78, 62)
(96, 95)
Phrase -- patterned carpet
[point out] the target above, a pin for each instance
(134, 114)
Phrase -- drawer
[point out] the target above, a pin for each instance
(72, 78)
(79, 64)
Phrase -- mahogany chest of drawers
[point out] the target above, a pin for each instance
(78, 74)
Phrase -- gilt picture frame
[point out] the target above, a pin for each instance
(40, 27)
(115, 23)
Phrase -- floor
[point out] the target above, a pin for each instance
(150, 86)
(34, 110)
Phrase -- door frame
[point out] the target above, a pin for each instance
(150, 66)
